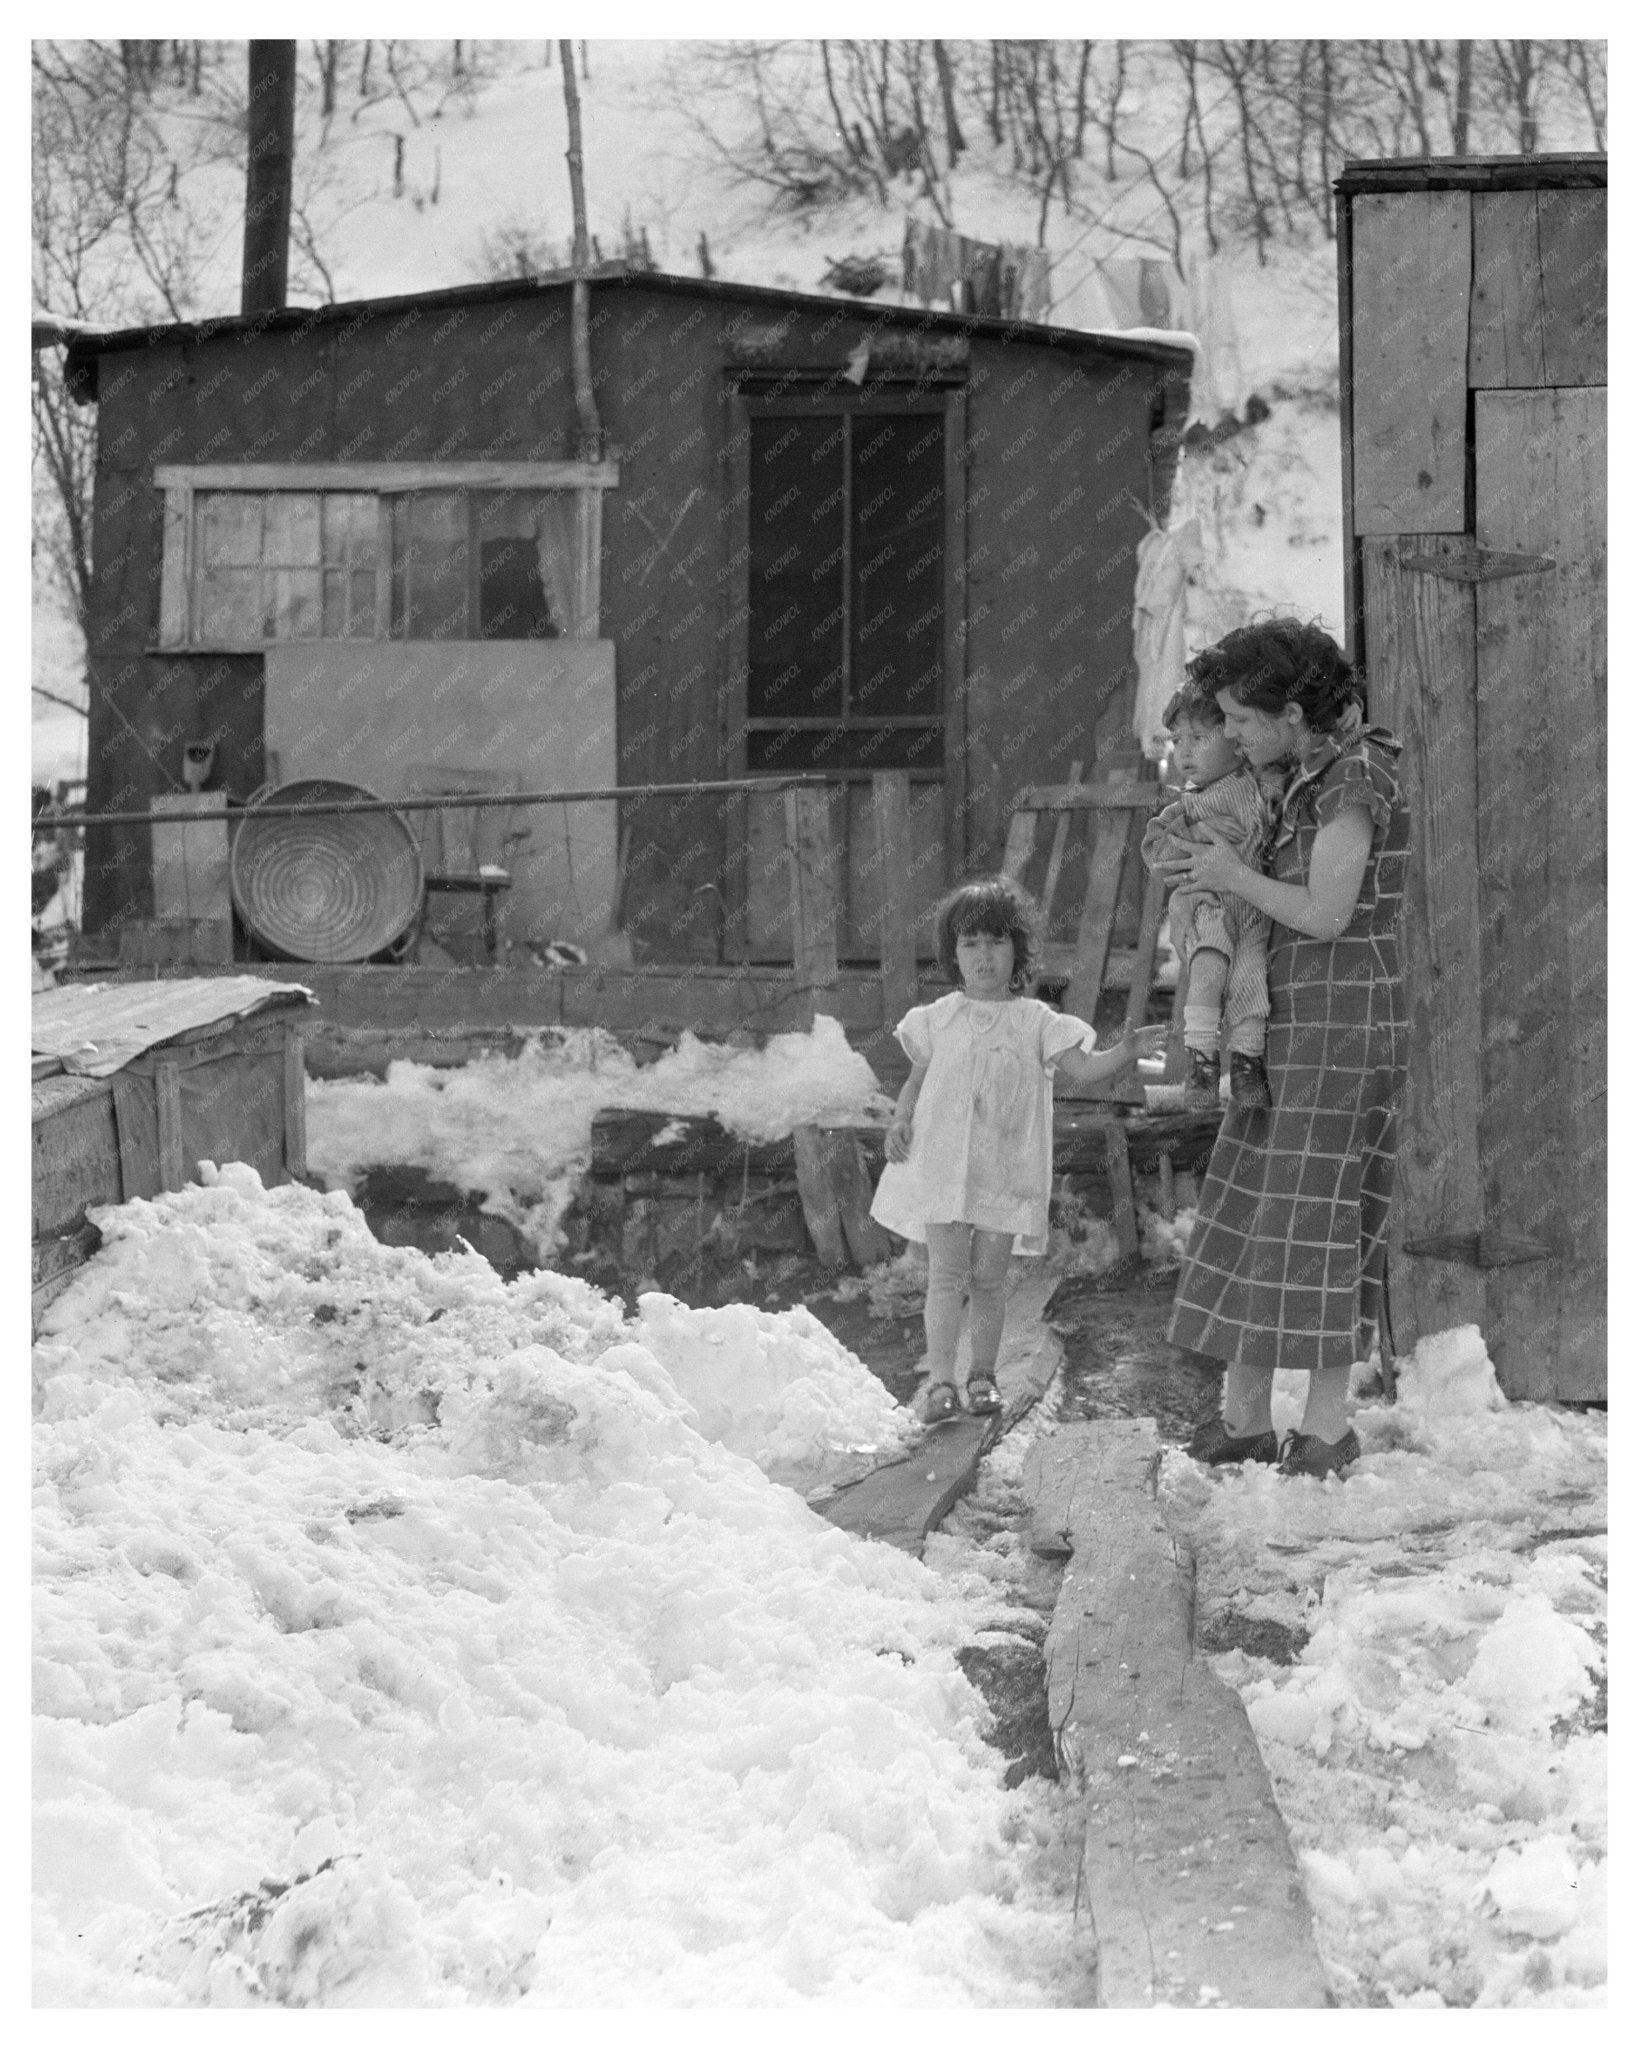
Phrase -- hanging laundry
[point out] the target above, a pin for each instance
(1165, 559)
(997, 280)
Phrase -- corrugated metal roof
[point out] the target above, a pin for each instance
(84, 350)
(99, 1027)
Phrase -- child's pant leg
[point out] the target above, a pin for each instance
(1246, 998)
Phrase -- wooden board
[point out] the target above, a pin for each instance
(892, 933)
(1186, 1865)
(190, 857)
(136, 1123)
(1409, 329)
(54, 1263)
(812, 848)
(834, 1187)
(1539, 296)
(233, 1108)
(624, 1142)
(1540, 481)
(1420, 670)
(901, 1501)
(1571, 235)
(76, 1158)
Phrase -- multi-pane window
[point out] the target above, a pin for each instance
(286, 565)
(249, 566)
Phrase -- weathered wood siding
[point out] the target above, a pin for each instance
(1481, 569)
(1059, 457)
(1058, 468)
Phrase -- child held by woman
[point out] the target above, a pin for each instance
(970, 1149)
(1221, 941)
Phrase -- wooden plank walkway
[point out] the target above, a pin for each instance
(1186, 1866)
(899, 1503)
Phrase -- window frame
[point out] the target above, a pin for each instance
(179, 482)
(883, 402)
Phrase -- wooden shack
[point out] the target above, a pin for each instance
(134, 1085)
(1473, 320)
(359, 541)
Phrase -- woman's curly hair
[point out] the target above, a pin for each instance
(1276, 662)
(999, 909)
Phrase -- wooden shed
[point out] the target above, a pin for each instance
(134, 1085)
(358, 541)
(1473, 324)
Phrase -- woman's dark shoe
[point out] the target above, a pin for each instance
(1212, 1444)
(1201, 1080)
(1309, 1457)
(1249, 1081)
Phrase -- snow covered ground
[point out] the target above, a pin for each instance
(408, 1637)
(405, 1638)
(1437, 1746)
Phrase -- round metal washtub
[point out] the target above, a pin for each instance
(326, 888)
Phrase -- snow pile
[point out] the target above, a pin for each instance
(1166, 1239)
(402, 1640)
(777, 1388)
(519, 1131)
(1437, 1747)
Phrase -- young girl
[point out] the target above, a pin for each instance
(970, 1149)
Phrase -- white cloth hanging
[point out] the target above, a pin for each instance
(1165, 558)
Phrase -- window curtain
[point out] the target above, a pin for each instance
(557, 543)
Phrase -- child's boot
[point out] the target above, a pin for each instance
(1201, 1080)
(1249, 1081)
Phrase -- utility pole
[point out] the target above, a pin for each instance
(272, 149)
(580, 305)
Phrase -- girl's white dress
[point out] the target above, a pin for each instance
(982, 1130)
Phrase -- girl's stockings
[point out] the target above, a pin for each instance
(964, 1260)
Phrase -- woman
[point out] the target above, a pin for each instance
(1285, 1264)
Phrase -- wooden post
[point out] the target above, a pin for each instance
(813, 897)
(295, 1105)
(821, 1210)
(891, 812)
(173, 1171)
(580, 327)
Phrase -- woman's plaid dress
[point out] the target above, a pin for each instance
(1285, 1264)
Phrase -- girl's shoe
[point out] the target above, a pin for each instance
(1201, 1080)
(1310, 1457)
(1212, 1444)
(938, 1402)
(982, 1397)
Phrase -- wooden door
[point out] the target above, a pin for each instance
(1486, 655)
(1540, 750)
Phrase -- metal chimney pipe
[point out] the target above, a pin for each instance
(272, 148)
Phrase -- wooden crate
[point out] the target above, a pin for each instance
(232, 1088)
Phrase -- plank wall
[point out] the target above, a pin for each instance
(1059, 467)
